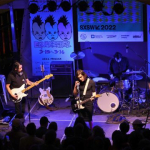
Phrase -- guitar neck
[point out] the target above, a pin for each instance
(31, 86)
(84, 101)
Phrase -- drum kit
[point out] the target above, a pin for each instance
(114, 98)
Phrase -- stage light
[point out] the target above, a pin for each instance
(83, 5)
(33, 8)
(52, 6)
(118, 7)
(65, 5)
(98, 6)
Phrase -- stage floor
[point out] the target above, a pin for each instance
(65, 117)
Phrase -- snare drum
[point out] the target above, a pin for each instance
(109, 101)
(122, 84)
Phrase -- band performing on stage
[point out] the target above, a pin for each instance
(116, 92)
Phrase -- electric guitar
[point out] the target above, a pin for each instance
(20, 92)
(78, 104)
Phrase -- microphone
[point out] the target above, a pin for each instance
(91, 48)
(42, 67)
(127, 48)
(68, 98)
(78, 86)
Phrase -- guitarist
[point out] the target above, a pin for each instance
(16, 78)
(78, 90)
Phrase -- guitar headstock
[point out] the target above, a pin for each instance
(97, 95)
(48, 76)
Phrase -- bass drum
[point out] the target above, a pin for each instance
(109, 101)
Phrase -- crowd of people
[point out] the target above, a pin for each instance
(77, 137)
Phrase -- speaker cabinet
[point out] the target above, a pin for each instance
(62, 85)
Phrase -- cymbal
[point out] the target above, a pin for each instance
(77, 56)
(99, 79)
(133, 72)
(91, 73)
(135, 77)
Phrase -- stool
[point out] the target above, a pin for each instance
(2, 79)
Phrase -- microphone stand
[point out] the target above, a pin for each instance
(27, 97)
(146, 69)
(78, 95)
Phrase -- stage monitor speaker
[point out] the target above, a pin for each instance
(62, 85)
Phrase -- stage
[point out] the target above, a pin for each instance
(65, 117)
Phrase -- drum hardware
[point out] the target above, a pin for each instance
(92, 74)
(133, 72)
(134, 104)
(134, 98)
(135, 77)
(77, 56)
(124, 106)
(122, 84)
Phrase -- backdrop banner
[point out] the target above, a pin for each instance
(51, 37)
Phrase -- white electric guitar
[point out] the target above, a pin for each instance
(20, 92)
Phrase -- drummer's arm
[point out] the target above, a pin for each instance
(111, 76)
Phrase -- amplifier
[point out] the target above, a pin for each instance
(61, 67)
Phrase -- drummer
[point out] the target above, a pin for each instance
(117, 66)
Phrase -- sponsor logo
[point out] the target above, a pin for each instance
(96, 36)
(137, 36)
(111, 36)
(124, 36)
(83, 36)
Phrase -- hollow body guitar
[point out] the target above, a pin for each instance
(45, 98)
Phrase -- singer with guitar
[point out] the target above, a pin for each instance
(85, 89)
(16, 78)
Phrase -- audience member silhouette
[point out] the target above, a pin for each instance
(43, 127)
(134, 138)
(53, 126)
(87, 131)
(97, 132)
(15, 134)
(30, 140)
(49, 141)
(124, 128)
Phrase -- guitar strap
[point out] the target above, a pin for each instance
(46, 106)
(86, 85)
(48, 93)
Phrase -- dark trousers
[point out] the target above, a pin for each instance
(20, 107)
